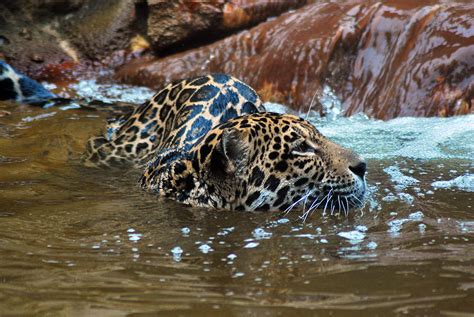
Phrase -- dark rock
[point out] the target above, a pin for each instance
(389, 59)
(101, 27)
(21, 39)
(43, 10)
(39, 35)
(61, 39)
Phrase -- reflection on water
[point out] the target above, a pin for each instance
(78, 241)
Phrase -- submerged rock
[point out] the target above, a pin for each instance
(391, 59)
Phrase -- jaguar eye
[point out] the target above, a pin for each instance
(303, 149)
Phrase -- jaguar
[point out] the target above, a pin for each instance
(207, 141)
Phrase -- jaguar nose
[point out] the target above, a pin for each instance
(359, 169)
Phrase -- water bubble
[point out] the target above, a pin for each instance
(399, 178)
(372, 245)
(177, 252)
(205, 248)
(407, 198)
(390, 197)
(417, 216)
(396, 225)
(466, 226)
(259, 234)
(251, 245)
(225, 231)
(422, 227)
(302, 235)
(134, 237)
(354, 237)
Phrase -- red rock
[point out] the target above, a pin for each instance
(414, 60)
(399, 58)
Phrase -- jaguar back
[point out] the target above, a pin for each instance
(175, 117)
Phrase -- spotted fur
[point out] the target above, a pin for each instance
(175, 117)
(261, 161)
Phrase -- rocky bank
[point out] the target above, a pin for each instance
(386, 59)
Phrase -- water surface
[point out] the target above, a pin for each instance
(81, 242)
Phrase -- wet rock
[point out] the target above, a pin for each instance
(414, 60)
(42, 10)
(101, 27)
(174, 25)
(38, 35)
(23, 43)
(389, 59)
(62, 40)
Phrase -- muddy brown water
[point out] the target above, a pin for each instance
(86, 242)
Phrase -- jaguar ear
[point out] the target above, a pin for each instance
(234, 149)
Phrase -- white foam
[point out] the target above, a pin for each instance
(90, 89)
(395, 225)
(399, 178)
(463, 182)
(416, 138)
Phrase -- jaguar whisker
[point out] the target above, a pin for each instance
(315, 205)
(327, 201)
(347, 206)
(304, 197)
